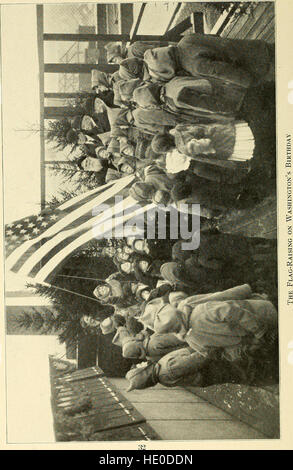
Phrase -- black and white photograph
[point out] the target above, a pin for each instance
(140, 222)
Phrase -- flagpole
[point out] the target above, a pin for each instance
(80, 277)
(69, 291)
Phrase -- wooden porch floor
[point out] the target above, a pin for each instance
(176, 414)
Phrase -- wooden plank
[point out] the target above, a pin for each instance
(267, 30)
(99, 399)
(252, 22)
(238, 25)
(99, 37)
(223, 21)
(166, 396)
(267, 17)
(84, 372)
(109, 409)
(181, 411)
(252, 32)
(230, 24)
(197, 22)
(40, 29)
(135, 432)
(56, 112)
(176, 10)
(61, 96)
(113, 419)
(122, 385)
(174, 34)
(79, 68)
(90, 372)
(87, 37)
(271, 37)
(203, 429)
(136, 25)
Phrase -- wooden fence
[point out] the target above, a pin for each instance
(86, 406)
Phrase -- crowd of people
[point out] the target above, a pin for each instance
(194, 122)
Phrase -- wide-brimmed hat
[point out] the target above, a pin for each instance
(133, 349)
(151, 309)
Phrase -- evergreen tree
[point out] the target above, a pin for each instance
(71, 299)
(80, 99)
(81, 180)
(43, 323)
(56, 133)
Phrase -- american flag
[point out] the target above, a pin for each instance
(36, 246)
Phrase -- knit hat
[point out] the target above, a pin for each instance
(107, 326)
(141, 377)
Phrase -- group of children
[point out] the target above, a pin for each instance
(193, 122)
(168, 322)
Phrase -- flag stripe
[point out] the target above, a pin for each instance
(53, 245)
(46, 272)
(59, 225)
(79, 198)
(65, 221)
